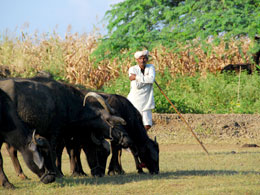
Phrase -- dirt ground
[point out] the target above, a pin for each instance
(240, 129)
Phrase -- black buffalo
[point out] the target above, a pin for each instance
(34, 149)
(144, 150)
(56, 111)
(249, 68)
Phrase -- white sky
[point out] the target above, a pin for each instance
(49, 15)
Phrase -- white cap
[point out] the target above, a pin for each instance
(138, 54)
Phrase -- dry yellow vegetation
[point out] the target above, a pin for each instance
(70, 58)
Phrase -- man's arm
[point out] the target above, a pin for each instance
(132, 77)
(147, 78)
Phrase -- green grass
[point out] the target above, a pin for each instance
(184, 169)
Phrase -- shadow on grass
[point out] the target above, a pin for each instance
(234, 152)
(213, 172)
(129, 178)
(113, 180)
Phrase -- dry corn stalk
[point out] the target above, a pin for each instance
(70, 57)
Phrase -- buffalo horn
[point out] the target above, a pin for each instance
(100, 100)
(33, 137)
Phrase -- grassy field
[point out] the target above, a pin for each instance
(184, 169)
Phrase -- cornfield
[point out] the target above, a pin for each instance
(70, 58)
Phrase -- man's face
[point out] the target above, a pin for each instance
(142, 61)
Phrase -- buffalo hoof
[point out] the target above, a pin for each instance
(23, 176)
(98, 174)
(111, 173)
(48, 179)
(116, 172)
(154, 173)
(78, 174)
(8, 185)
(59, 174)
(140, 171)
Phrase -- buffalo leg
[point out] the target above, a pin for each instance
(137, 161)
(96, 157)
(56, 138)
(115, 165)
(75, 163)
(73, 150)
(3, 179)
(13, 154)
(59, 151)
(78, 167)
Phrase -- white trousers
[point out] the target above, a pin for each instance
(147, 117)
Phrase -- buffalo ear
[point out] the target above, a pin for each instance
(106, 145)
(32, 147)
(117, 120)
(95, 140)
(37, 158)
(154, 154)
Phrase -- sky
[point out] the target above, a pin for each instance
(44, 16)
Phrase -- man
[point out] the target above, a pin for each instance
(141, 96)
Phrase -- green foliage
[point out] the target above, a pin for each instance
(137, 24)
(119, 86)
(221, 93)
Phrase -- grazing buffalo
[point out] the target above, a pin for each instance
(34, 149)
(144, 150)
(238, 67)
(245, 67)
(56, 111)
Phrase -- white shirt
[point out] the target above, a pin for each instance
(141, 89)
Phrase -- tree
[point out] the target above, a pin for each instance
(135, 24)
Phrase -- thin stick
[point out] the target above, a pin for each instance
(182, 118)
(238, 87)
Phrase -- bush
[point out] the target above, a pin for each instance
(216, 93)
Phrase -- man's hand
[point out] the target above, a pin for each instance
(132, 77)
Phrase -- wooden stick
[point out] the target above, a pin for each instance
(182, 118)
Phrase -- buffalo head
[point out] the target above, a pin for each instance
(16, 134)
(149, 155)
(97, 157)
(110, 125)
(38, 157)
